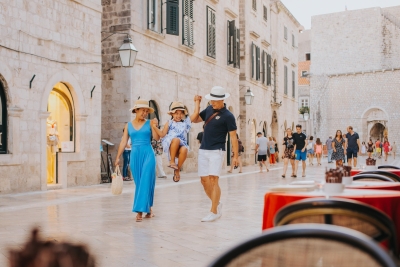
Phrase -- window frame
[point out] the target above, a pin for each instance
(156, 6)
(285, 80)
(233, 44)
(265, 13)
(254, 5)
(172, 26)
(305, 100)
(285, 33)
(293, 39)
(303, 73)
(190, 26)
(308, 55)
(4, 120)
(211, 51)
(293, 84)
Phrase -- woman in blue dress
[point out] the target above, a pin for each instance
(142, 159)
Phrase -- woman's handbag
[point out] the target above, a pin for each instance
(117, 182)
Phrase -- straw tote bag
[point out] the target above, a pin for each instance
(117, 182)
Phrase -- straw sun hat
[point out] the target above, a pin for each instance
(142, 104)
(177, 106)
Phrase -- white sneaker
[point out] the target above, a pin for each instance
(219, 209)
(211, 217)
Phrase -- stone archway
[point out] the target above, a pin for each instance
(374, 122)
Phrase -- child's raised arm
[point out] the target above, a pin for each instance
(163, 132)
(195, 115)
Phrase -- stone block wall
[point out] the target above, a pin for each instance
(58, 41)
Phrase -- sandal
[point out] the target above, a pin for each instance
(150, 215)
(139, 219)
(283, 176)
(173, 166)
(176, 178)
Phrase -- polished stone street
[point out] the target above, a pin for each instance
(174, 237)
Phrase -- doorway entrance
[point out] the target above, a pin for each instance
(377, 131)
(60, 128)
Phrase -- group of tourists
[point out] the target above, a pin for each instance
(218, 122)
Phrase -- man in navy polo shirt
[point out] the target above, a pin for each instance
(300, 143)
(353, 146)
(219, 121)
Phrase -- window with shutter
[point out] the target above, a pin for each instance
(211, 34)
(285, 33)
(255, 4)
(293, 85)
(173, 17)
(187, 26)
(265, 13)
(263, 67)
(237, 48)
(268, 69)
(293, 40)
(231, 42)
(285, 74)
(258, 63)
(154, 16)
(252, 60)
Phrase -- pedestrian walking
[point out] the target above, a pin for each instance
(142, 159)
(288, 153)
(300, 143)
(262, 151)
(310, 150)
(219, 122)
(126, 157)
(330, 149)
(318, 150)
(241, 151)
(345, 140)
(158, 151)
(378, 149)
(386, 148)
(363, 148)
(353, 146)
(394, 149)
(271, 149)
(175, 132)
(276, 149)
(370, 148)
(338, 146)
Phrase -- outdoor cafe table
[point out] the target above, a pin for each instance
(384, 200)
(356, 171)
(374, 185)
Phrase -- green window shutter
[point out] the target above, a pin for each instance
(265, 13)
(258, 63)
(231, 42)
(286, 80)
(293, 84)
(211, 34)
(268, 69)
(237, 49)
(187, 26)
(173, 17)
(252, 61)
(263, 67)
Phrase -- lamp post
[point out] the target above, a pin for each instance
(127, 51)
(249, 97)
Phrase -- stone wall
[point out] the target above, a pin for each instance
(356, 73)
(58, 41)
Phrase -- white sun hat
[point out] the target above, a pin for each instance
(217, 93)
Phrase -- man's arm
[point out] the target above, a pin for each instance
(235, 148)
(305, 146)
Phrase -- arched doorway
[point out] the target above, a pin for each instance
(377, 131)
(274, 125)
(3, 120)
(60, 127)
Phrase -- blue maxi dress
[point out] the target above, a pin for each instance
(143, 167)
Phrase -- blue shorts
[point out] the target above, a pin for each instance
(301, 155)
(352, 152)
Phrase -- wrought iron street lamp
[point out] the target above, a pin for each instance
(249, 97)
(127, 53)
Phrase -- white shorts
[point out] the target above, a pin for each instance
(210, 162)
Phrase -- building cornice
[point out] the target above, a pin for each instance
(282, 7)
(231, 13)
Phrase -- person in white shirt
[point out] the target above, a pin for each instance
(262, 150)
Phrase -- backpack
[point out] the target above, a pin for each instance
(272, 149)
(241, 147)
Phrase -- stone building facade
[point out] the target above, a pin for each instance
(173, 65)
(355, 72)
(269, 59)
(303, 77)
(50, 61)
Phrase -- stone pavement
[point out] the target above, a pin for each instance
(174, 237)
